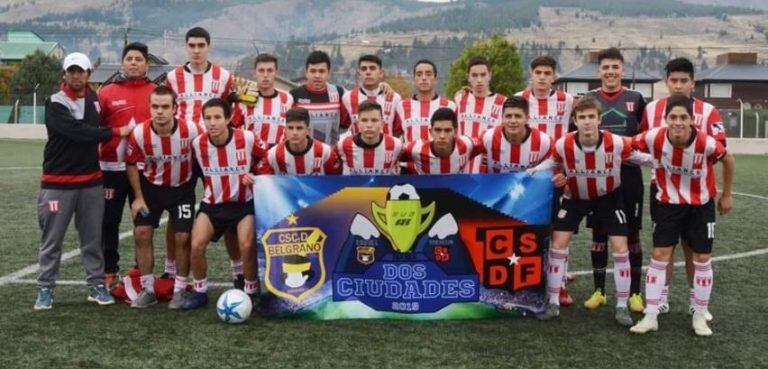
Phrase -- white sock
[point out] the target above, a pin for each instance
(664, 295)
(702, 285)
(170, 266)
(654, 283)
(251, 286)
(622, 277)
(237, 268)
(557, 262)
(201, 285)
(180, 284)
(148, 282)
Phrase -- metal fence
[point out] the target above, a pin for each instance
(752, 124)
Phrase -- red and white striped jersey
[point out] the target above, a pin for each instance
(551, 115)
(318, 159)
(266, 118)
(706, 118)
(224, 166)
(357, 95)
(359, 158)
(194, 89)
(591, 172)
(420, 158)
(478, 114)
(683, 175)
(414, 116)
(167, 159)
(504, 157)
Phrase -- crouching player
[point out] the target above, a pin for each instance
(591, 159)
(226, 157)
(371, 151)
(163, 145)
(685, 179)
(446, 152)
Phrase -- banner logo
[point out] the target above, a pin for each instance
(294, 261)
(402, 218)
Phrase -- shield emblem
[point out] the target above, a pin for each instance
(366, 254)
(295, 267)
(402, 221)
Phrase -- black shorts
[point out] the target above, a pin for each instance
(607, 211)
(178, 201)
(557, 198)
(694, 224)
(632, 194)
(654, 204)
(225, 216)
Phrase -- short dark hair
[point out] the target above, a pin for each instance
(369, 58)
(478, 60)
(138, 46)
(425, 61)
(164, 91)
(198, 32)
(587, 102)
(369, 106)
(220, 103)
(444, 114)
(297, 114)
(679, 65)
(317, 57)
(610, 53)
(544, 60)
(516, 102)
(265, 58)
(679, 100)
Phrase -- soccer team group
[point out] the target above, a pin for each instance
(149, 144)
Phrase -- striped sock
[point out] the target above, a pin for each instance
(148, 282)
(251, 286)
(180, 284)
(557, 262)
(621, 277)
(170, 266)
(702, 285)
(201, 285)
(654, 283)
(237, 268)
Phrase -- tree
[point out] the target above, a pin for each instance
(36, 68)
(507, 67)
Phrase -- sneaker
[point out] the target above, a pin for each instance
(195, 301)
(100, 295)
(178, 300)
(254, 301)
(111, 280)
(623, 318)
(565, 297)
(144, 300)
(663, 308)
(649, 323)
(44, 299)
(553, 311)
(636, 303)
(707, 315)
(700, 327)
(239, 282)
(595, 301)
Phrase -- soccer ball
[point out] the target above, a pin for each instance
(402, 192)
(234, 306)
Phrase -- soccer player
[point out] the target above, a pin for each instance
(685, 178)
(372, 88)
(514, 146)
(478, 108)
(123, 102)
(265, 118)
(415, 112)
(226, 157)
(323, 100)
(166, 183)
(591, 161)
(706, 118)
(622, 113)
(446, 152)
(299, 153)
(370, 151)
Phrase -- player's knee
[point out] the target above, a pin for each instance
(701, 258)
(142, 234)
(662, 253)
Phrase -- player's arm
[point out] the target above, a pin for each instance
(725, 204)
(58, 119)
(332, 164)
(134, 156)
(265, 168)
(630, 155)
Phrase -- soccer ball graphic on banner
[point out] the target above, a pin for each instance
(234, 306)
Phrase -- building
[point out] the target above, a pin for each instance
(736, 78)
(585, 78)
(18, 44)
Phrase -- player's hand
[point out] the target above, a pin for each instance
(725, 204)
(125, 130)
(246, 179)
(559, 180)
(136, 207)
(387, 90)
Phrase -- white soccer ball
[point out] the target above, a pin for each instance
(234, 306)
(403, 192)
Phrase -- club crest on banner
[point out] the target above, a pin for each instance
(294, 261)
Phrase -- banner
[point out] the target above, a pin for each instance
(402, 247)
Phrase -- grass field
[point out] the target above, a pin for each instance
(77, 334)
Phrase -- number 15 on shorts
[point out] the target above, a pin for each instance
(185, 211)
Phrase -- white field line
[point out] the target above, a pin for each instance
(22, 168)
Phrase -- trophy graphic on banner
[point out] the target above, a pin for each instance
(402, 218)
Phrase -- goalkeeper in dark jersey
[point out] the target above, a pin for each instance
(622, 113)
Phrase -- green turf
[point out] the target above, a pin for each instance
(78, 334)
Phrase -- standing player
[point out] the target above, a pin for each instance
(370, 151)
(299, 153)
(124, 102)
(685, 178)
(416, 111)
(706, 118)
(445, 153)
(166, 183)
(478, 108)
(322, 99)
(622, 113)
(371, 88)
(265, 118)
(226, 157)
(591, 160)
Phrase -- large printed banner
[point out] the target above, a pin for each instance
(402, 247)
